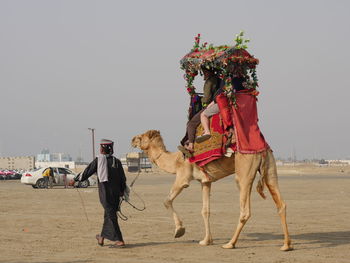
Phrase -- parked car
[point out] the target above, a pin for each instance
(36, 180)
(9, 175)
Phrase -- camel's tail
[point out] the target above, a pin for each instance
(263, 170)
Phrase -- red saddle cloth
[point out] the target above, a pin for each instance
(249, 138)
(245, 118)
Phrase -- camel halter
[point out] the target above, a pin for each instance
(155, 159)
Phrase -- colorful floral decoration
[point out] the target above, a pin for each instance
(228, 61)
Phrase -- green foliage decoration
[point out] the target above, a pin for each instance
(227, 61)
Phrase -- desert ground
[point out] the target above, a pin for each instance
(50, 225)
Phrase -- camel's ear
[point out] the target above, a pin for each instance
(135, 141)
(153, 133)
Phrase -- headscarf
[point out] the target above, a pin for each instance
(102, 167)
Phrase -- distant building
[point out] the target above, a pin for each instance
(338, 162)
(136, 161)
(17, 163)
(279, 163)
(43, 157)
(46, 159)
(46, 156)
(68, 164)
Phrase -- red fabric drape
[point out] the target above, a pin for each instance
(225, 110)
(245, 118)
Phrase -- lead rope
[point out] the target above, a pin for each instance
(82, 203)
(119, 212)
(89, 227)
(81, 198)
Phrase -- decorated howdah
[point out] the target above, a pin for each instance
(227, 61)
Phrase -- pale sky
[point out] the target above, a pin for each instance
(69, 65)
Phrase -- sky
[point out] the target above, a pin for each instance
(70, 65)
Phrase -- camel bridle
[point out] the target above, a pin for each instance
(153, 160)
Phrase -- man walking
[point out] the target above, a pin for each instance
(111, 186)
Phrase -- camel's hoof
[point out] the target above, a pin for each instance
(286, 248)
(179, 232)
(228, 245)
(206, 242)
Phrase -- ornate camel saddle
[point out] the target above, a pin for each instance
(213, 148)
(249, 139)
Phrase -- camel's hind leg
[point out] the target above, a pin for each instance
(208, 240)
(246, 169)
(272, 184)
(176, 189)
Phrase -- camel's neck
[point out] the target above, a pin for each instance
(162, 158)
(154, 153)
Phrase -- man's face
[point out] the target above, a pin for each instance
(107, 150)
(101, 150)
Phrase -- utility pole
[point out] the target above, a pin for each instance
(294, 156)
(93, 142)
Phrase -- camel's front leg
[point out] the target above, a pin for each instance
(175, 191)
(247, 166)
(206, 213)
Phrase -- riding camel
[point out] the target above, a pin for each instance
(245, 166)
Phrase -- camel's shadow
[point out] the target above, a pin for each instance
(323, 239)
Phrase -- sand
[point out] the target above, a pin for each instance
(49, 225)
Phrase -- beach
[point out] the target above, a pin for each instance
(59, 225)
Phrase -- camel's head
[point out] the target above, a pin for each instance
(143, 141)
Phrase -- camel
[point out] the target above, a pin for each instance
(245, 166)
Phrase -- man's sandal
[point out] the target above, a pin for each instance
(203, 138)
(118, 244)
